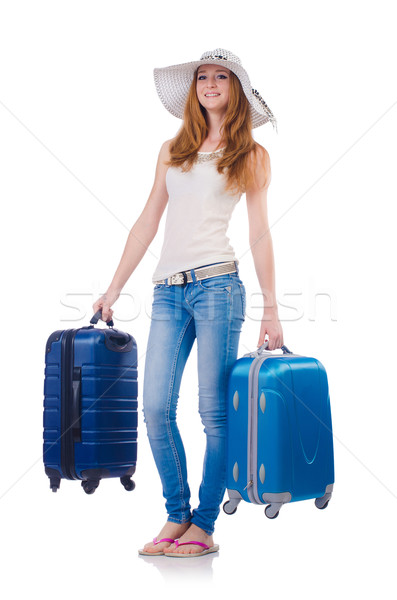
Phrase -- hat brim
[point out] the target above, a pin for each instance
(173, 83)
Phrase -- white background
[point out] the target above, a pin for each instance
(80, 130)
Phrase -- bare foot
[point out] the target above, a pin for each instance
(170, 530)
(193, 533)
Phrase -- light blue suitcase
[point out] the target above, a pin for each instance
(279, 440)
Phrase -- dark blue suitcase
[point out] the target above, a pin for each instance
(90, 406)
(279, 431)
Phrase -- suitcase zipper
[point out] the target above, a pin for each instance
(252, 470)
(253, 429)
(67, 441)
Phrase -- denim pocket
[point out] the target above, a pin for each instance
(220, 283)
(235, 276)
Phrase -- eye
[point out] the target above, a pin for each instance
(201, 77)
(222, 76)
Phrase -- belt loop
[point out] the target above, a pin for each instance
(236, 264)
(192, 273)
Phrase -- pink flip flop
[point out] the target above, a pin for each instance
(207, 550)
(155, 542)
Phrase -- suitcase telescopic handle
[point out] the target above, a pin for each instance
(97, 316)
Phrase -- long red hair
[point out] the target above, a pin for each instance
(236, 160)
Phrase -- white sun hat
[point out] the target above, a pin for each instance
(173, 83)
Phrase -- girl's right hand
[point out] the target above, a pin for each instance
(104, 303)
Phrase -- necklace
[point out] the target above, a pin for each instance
(207, 156)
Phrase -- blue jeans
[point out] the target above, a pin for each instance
(213, 311)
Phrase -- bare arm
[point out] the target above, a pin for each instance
(140, 236)
(261, 245)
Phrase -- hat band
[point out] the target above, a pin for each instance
(214, 57)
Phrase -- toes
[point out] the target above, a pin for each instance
(149, 547)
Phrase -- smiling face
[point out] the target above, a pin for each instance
(212, 86)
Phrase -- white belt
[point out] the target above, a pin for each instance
(201, 273)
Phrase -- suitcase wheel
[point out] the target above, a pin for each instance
(322, 503)
(229, 507)
(271, 511)
(128, 483)
(90, 485)
(55, 483)
(318, 504)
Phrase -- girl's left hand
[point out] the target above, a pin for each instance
(271, 326)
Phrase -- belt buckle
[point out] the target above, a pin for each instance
(176, 279)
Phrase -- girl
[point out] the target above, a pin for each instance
(198, 294)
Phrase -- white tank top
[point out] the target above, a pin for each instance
(198, 215)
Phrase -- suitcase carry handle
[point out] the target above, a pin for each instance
(97, 316)
(76, 405)
(115, 340)
(264, 346)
